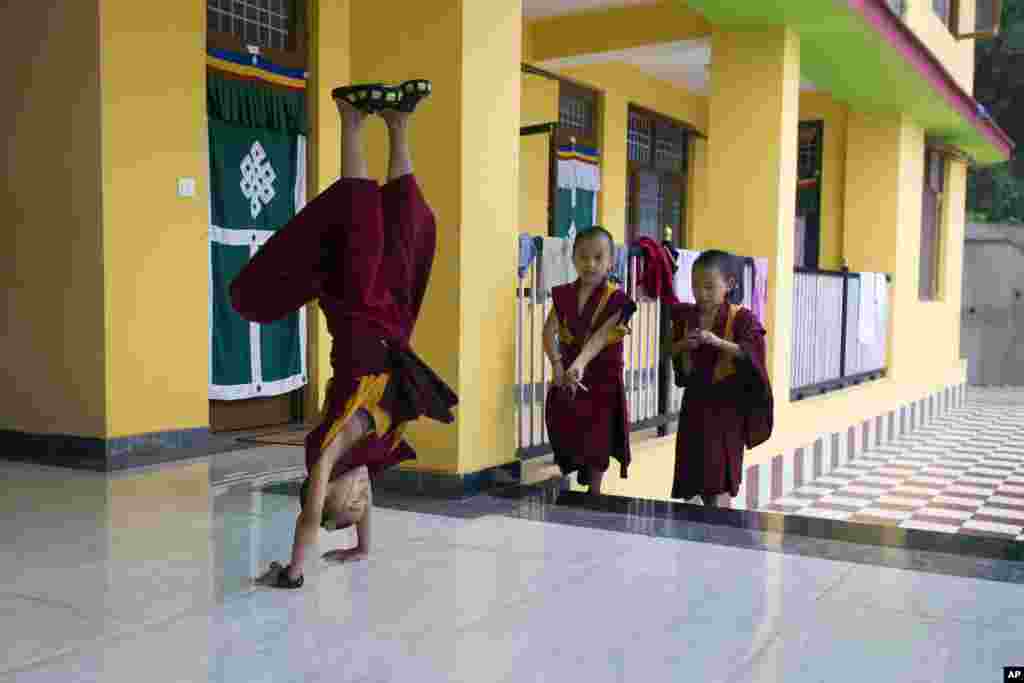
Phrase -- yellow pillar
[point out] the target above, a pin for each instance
(329, 65)
(751, 167)
(465, 142)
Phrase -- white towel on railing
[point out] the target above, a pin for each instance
(682, 281)
(881, 315)
(868, 309)
(556, 267)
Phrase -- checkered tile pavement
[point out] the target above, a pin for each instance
(961, 474)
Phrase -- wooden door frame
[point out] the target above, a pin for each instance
(229, 416)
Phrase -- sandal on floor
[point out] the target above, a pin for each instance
(368, 98)
(412, 92)
(284, 582)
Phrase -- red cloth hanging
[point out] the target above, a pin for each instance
(656, 276)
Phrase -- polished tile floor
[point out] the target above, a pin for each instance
(147, 576)
(962, 474)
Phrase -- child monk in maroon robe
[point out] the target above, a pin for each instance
(586, 411)
(366, 253)
(727, 405)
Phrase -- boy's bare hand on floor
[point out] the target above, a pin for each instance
(346, 555)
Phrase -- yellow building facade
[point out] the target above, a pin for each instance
(107, 282)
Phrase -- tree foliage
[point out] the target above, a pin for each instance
(996, 194)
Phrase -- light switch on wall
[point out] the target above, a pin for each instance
(186, 187)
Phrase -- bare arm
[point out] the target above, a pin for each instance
(551, 342)
(598, 340)
(307, 526)
(363, 525)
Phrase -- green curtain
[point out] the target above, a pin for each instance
(255, 105)
(257, 184)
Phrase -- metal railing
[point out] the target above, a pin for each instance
(829, 352)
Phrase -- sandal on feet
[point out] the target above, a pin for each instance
(368, 98)
(412, 92)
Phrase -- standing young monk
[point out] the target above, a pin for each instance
(728, 400)
(586, 409)
(366, 252)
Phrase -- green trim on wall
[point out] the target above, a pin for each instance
(843, 55)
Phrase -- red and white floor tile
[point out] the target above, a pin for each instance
(962, 474)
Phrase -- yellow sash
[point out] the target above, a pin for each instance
(565, 336)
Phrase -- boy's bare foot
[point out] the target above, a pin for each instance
(350, 116)
(346, 555)
(395, 118)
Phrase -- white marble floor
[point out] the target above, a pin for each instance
(146, 576)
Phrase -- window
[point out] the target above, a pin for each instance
(935, 164)
(807, 228)
(657, 161)
(275, 26)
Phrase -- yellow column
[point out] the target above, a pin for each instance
(465, 142)
(751, 166)
(329, 65)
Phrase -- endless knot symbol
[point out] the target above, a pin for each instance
(257, 179)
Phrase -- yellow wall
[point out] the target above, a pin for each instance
(154, 243)
(956, 55)
(885, 175)
(540, 105)
(821, 107)
(616, 28)
(464, 146)
(329, 67)
(51, 263)
(621, 85)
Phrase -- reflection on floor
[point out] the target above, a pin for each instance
(964, 474)
(147, 575)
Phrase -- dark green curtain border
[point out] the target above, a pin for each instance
(255, 105)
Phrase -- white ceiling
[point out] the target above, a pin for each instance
(538, 9)
(683, 63)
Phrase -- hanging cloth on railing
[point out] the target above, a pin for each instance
(620, 264)
(759, 298)
(554, 261)
(868, 315)
(656, 276)
(578, 181)
(527, 254)
(257, 184)
(682, 281)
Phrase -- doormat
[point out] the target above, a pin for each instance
(291, 436)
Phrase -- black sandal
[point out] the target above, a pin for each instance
(284, 582)
(368, 98)
(411, 93)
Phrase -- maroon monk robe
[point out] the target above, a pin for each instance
(366, 252)
(592, 427)
(727, 405)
